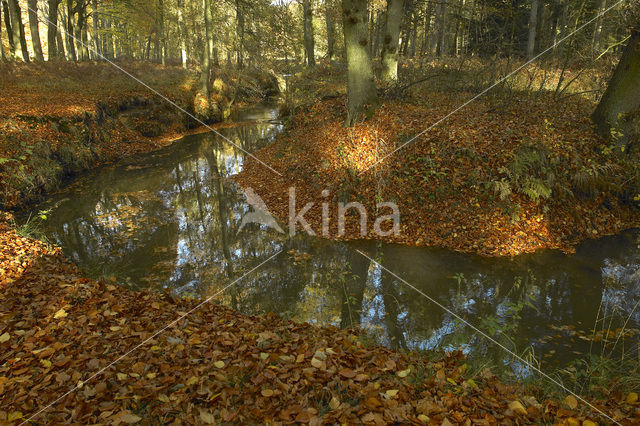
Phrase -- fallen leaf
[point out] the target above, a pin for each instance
(60, 314)
(517, 407)
(571, 401)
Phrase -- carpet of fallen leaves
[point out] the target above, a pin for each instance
(61, 332)
(441, 182)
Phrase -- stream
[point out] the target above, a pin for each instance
(170, 220)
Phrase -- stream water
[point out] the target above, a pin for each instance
(170, 219)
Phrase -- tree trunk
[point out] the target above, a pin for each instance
(307, 15)
(533, 21)
(96, 25)
(390, 42)
(331, 32)
(427, 26)
(205, 77)
(361, 89)
(32, 6)
(442, 37)
(602, 4)
(7, 24)
(622, 95)
(21, 53)
(163, 42)
(183, 34)
(240, 34)
(2, 54)
(69, 31)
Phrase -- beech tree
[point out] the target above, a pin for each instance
(620, 105)
(21, 52)
(307, 18)
(390, 41)
(361, 88)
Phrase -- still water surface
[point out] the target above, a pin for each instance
(171, 220)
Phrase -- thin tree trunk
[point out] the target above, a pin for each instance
(69, 31)
(602, 4)
(442, 39)
(21, 53)
(240, 34)
(2, 54)
(390, 43)
(307, 18)
(183, 34)
(427, 27)
(163, 42)
(331, 32)
(96, 26)
(7, 24)
(32, 6)
(205, 77)
(533, 21)
(361, 89)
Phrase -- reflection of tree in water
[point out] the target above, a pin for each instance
(174, 223)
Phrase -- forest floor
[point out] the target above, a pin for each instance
(513, 172)
(98, 351)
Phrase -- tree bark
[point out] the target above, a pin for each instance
(2, 54)
(622, 95)
(307, 20)
(7, 24)
(240, 34)
(52, 30)
(205, 77)
(32, 6)
(533, 21)
(21, 53)
(183, 34)
(69, 32)
(442, 37)
(390, 42)
(96, 25)
(361, 89)
(331, 31)
(602, 4)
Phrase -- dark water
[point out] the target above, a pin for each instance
(171, 220)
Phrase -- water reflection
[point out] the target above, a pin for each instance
(171, 220)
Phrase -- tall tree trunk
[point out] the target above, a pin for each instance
(205, 77)
(7, 25)
(602, 5)
(533, 21)
(361, 89)
(2, 54)
(183, 34)
(69, 31)
(379, 27)
(96, 29)
(81, 38)
(331, 31)
(32, 6)
(442, 36)
(307, 19)
(427, 27)
(240, 34)
(21, 53)
(163, 41)
(52, 29)
(622, 95)
(390, 42)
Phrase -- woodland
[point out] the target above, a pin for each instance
(138, 139)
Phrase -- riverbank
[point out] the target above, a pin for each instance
(510, 174)
(59, 119)
(61, 331)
